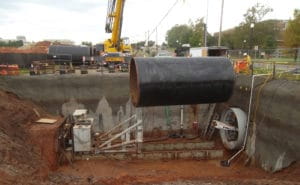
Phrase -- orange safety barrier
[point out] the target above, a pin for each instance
(12, 70)
(241, 66)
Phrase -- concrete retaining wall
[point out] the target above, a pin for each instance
(274, 135)
(105, 96)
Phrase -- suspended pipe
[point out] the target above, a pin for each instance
(180, 80)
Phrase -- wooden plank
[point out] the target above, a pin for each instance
(46, 121)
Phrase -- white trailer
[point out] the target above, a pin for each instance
(198, 52)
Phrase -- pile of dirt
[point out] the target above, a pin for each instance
(19, 160)
(43, 44)
(39, 47)
(33, 49)
(27, 153)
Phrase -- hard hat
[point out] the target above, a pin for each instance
(245, 54)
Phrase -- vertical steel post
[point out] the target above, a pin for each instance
(139, 137)
(221, 22)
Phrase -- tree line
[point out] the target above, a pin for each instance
(17, 43)
(192, 33)
(268, 34)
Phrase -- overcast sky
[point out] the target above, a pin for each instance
(84, 20)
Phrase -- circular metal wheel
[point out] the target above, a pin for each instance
(233, 139)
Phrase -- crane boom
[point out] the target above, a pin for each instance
(114, 21)
(117, 50)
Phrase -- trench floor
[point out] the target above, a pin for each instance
(110, 171)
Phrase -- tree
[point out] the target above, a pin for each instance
(257, 36)
(263, 34)
(151, 43)
(192, 33)
(86, 43)
(196, 38)
(17, 43)
(256, 13)
(211, 41)
(292, 33)
(138, 45)
(266, 34)
(178, 35)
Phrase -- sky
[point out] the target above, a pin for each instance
(84, 20)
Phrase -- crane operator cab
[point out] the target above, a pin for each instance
(125, 45)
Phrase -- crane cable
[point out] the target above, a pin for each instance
(168, 12)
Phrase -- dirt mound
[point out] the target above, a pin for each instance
(40, 47)
(43, 44)
(18, 158)
(28, 150)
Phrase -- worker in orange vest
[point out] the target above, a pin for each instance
(247, 59)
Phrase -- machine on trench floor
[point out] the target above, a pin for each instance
(78, 136)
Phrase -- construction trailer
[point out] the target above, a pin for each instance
(208, 51)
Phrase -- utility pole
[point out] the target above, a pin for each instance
(205, 26)
(251, 36)
(156, 41)
(221, 22)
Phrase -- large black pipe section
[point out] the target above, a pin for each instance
(62, 53)
(180, 80)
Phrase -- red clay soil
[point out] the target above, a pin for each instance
(17, 50)
(27, 149)
(39, 47)
(112, 172)
(20, 160)
(45, 137)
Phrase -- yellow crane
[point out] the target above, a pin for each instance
(115, 48)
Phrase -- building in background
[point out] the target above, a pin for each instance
(22, 38)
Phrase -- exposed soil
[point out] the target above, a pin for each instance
(112, 172)
(20, 160)
(39, 47)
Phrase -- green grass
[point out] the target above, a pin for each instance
(277, 61)
(279, 74)
(288, 76)
(288, 61)
(24, 71)
(262, 71)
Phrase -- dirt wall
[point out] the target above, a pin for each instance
(19, 159)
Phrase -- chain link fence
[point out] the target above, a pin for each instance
(277, 55)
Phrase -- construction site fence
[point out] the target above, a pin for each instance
(280, 55)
